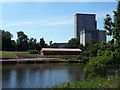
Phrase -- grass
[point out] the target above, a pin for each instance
(7, 55)
(112, 82)
(20, 52)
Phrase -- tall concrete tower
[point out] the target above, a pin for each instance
(84, 22)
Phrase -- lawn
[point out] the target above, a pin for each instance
(7, 55)
(20, 52)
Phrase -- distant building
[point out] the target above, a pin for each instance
(60, 51)
(84, 21)
(85, 28)
(102, 36)
(97, 36)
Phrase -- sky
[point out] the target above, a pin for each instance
(53, 21)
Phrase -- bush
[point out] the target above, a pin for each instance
(33, 51)
(98, 66)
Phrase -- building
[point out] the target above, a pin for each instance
(87, 35)
(85, 28)
(84, 21)
(102, 36)
(60, 51)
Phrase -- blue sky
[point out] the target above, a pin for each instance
(50, 20)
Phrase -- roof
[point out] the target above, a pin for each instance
(85, 14)
(59, 49)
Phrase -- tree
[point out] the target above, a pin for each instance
(14, 44)
(91, 49)
(113, 27)
(22, 41)
(73, 43)
(42, 43)
(32, 43)
(50, 43)
(6, 39)
(108, 54)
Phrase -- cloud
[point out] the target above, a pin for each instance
(60, 23)
(58, 0)
(46, 22)
(22, 23)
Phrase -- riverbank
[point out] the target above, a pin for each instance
(112, 82)
(39, 60)
(25, 57)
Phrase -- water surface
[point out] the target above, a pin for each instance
(40, 75)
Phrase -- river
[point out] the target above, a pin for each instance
(40, 75)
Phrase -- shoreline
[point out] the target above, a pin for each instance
(39, 60)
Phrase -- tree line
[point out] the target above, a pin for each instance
(24, 43)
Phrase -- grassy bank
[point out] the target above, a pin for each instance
(113, 82)
(21, 52)
(49, 61)
(67, 57)
(7, 55)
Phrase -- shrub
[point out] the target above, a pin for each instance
(98, 66)
(33, 51)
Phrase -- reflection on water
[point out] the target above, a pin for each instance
(39, 75)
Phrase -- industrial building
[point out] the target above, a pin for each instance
(85, 28)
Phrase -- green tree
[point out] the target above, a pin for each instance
(22, 41)
(50, 43)
(73, 43)
(32, 43)
(91, 49)
(14, 44)
(6, 39)
(113, 26)
(42, 43)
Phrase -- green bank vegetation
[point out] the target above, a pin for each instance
(112, 82)
(7, 55)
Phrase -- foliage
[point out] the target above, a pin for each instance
(108, 54)
(98, 66)
(112, 82)
(32, 43)
(108, 57)
(91, 49)
(33, 51)
(73, 43)
(6, 39)
(42, 43)
(22, 41)
(113, 27)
